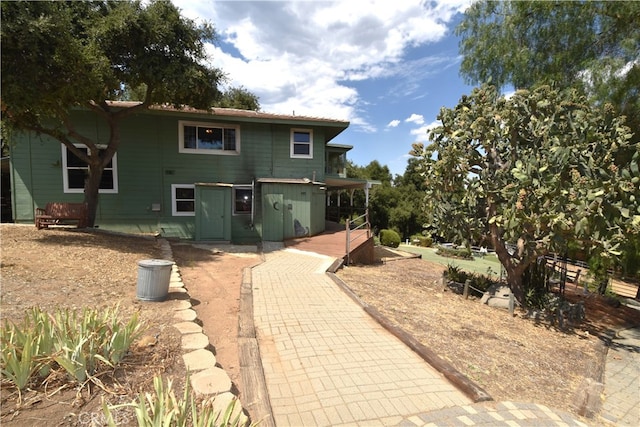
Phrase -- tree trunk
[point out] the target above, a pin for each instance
(514, 270)
(92, 192)
(514, 279)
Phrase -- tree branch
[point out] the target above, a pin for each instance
(62, 138)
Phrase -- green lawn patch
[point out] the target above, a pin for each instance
(478, 265)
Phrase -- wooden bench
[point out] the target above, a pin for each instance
(56, 213)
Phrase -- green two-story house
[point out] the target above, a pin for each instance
(222, 174)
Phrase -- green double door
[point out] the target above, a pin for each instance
(273, 209)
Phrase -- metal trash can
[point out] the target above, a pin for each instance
(153, 279)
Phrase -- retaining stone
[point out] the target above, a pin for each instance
(221, 402)
(182, 305)
(194, 341)
(188, 315)
(188, 327)
(176, 283)
(198, 360)
(211, 381)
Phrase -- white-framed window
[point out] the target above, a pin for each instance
(75, 171)
(208, 138)
(242, 200)
(302, 143)
(183, 199)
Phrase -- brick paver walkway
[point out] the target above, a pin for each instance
(326, 362)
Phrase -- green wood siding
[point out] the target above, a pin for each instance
(286, 167)
(318, 207)
(149, 162)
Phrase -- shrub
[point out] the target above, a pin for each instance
(477, 281)
(423, 241)
(389, 238)
(481, 282)
(462, 253)
(455, 274)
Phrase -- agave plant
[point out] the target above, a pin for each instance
(18, 358)
(78, 342)
(162, 408)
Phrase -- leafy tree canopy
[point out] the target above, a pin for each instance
(554, 42)
(591, 45)
(392, 206)
(412, 176)
(234, 97)
(58, 55)
(240, 98)
(531, 173)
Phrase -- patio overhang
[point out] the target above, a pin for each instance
(351, 184)
(337, 183)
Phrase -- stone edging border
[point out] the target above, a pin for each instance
(207, 379)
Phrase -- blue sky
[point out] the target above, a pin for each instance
(386, 66)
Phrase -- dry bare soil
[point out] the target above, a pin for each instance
(511, 358)
(66, 268)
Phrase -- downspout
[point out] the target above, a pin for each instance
(253, 200)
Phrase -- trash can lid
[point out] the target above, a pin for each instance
(155, 263)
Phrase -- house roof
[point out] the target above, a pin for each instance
(332, 183)
(333, 127)
(350, 183)
(288, 181)
(341, 146)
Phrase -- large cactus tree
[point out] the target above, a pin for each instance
(531, 173)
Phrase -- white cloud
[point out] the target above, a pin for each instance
(393, 123)
(415, 118)
(423, 131)
(307, 56)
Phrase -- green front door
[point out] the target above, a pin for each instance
(273, 211)
(212, 212)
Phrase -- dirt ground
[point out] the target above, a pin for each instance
(511, 358)
(75, 269)
(213, 281)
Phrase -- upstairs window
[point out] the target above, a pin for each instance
(75, 171)
(302, 143)
(207, 138)
(183, 199)
(336, 163)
